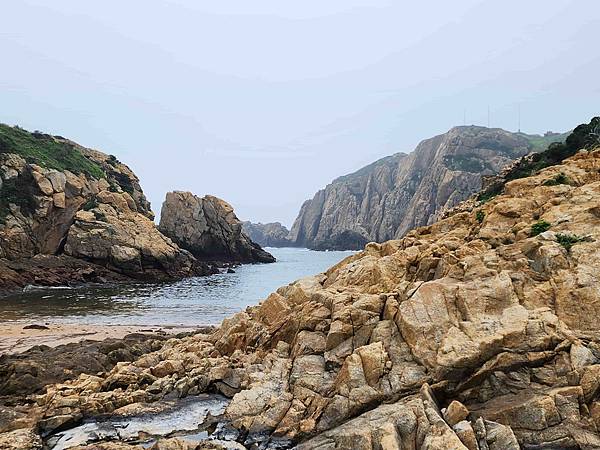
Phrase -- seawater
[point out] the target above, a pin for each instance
(189, 302)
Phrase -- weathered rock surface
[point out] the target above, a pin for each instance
(208, 228)
(31, 371)
(268, 234)
(386, 199)
(101, 217)
(472, 319)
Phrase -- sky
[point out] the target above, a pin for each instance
(264, 102)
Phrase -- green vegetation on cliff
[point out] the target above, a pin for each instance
(539, 143)
(16, 191)
(584, 136)
(47, 151)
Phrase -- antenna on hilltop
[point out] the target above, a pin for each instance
(465, 117)
(488, 116)
(519, 117)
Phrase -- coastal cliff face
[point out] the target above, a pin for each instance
(268, 234)
(62, 205)
(395, 194)
(476, 332)
(209, 229)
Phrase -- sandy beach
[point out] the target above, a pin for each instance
(16, 337)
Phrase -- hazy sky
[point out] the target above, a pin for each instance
(264, 102)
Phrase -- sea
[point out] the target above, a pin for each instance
(190, 302)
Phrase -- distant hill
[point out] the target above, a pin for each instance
(268, 234)
(389, 197)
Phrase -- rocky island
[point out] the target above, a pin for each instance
(71, 215)
(477, 331)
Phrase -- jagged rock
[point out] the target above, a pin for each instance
(268, 234)
(95, 212)
(30, 372)
(22, 439)
(455, 413)
(113, 235)
(389, 197)
(208, 228)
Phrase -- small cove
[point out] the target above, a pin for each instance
(189, 302)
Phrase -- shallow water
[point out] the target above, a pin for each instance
(190, 302)
(188, 414)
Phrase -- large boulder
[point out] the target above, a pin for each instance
(208, 228)
(114, 235)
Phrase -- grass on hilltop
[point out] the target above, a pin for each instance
(47, 151)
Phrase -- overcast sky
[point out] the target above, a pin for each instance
(264, 102)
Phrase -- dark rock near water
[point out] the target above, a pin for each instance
(49, 270)
(35, 326)
(29, 372)
(209, 229)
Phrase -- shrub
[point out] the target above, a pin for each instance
(100, 216)
(480, 215)
(584, 136)
(112, 160)
(90, 204)
(561, 178)
(539, 227)
(17, 191)
(568, 240)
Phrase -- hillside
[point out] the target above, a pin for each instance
(395, 194)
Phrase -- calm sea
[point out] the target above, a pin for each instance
(194, 301)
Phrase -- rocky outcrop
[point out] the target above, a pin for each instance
(209, 229)
(268, 234)
(60, 199)
(476, 332)
(395, 194)
(31, 371)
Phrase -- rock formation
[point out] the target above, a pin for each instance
(58, 199)
(208, 228)
(395, 194)
(268, 234)
(476, 332)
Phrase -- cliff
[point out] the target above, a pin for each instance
(72, 214)
(476, 332)
(395, 194)
(209, 229)
(268, 234)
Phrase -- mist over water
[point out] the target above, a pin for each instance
(189, 302)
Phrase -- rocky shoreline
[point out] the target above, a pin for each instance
(477, 332)
(19, 336)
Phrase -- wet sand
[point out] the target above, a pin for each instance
(15, 338)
